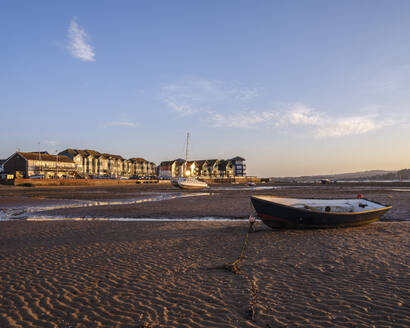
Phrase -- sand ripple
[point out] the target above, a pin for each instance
(153, 274)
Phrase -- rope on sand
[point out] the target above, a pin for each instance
(253, 289)
(251, 281)
(233, 267)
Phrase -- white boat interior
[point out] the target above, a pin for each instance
(326, 205)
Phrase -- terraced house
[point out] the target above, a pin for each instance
(172, 168)
(209, 168)
(90, 163)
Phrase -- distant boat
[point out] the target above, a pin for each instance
(325, 181)
(188, 182)
(281, 212)
(191, 183)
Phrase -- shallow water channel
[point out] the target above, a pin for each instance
(34, 212)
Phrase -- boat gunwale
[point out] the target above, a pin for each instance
(385, 207)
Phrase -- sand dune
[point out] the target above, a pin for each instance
(144, 274)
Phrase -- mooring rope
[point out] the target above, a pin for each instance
(234, 265)
(252, 285)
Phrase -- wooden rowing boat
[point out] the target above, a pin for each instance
(281, 212)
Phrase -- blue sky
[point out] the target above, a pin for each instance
(295, 87)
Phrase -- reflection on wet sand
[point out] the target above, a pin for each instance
(23, 212)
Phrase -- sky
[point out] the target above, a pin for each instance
(294, 87)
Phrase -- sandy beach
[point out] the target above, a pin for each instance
(171, 274)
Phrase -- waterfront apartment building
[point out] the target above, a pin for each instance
(86, 163)
(239, 166)
(77, 163)
(40, 164)
(90, 163)
(209, 168)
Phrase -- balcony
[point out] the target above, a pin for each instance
(51, 169)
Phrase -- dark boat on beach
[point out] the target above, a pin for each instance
(281, 212)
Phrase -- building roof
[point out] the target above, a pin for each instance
(41, 152)
(212, 161)
(237, 158)
(88, 152)
(138, 159)
(75, 152)
(166, 163)
(92, 152)
(222, 165)
(46, 157)
(112, 156)
(201, 162)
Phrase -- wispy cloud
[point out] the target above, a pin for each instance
(348, 126)
(319, 124)
(300, 114)
(245, 94)
(77, 43)
(232, 105)
(245, 120)
(183, 109)
(293, 114)
(193, 95)
(120, 124)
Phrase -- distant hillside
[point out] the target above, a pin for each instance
(359, 175)
(397, 175)
(365, 175)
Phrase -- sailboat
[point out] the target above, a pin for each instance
(187, 181)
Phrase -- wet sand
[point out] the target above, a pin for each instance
(233, 202)
(171, 274)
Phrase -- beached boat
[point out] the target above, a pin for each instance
(188, 181)
(281, 212)
(191, 183)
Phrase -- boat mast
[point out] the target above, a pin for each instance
(39, 158)
(186, 149)
(186, 153)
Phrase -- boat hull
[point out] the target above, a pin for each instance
(175, 183)
(277, 215)
(190, 187)
(189, 183)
